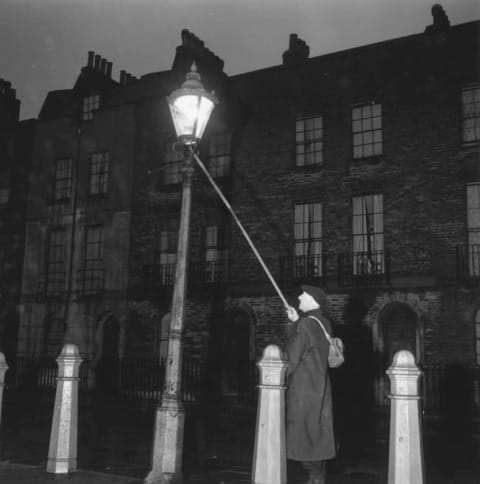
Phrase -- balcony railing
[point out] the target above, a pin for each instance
(468, 263)
(91, 278)
(363, 268)
(210, 272)
(200, 273)
(302, 268)
(159, 275)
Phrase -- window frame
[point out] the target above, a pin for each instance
(166, 250)
(219, 158)
(98, 175)
(475, 115)
(368, 256)
(216, 251)
(302, 141)
(90, 104)
(92, 269)
(473, 232)
(312, 245)
(367, 131)
(62, 180)
(55, 264)
(172, 166)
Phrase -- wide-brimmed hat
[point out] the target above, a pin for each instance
(317, 294)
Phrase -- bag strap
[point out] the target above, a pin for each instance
(329, 338)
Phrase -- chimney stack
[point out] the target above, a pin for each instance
(103, 65)
(90, 58)
(123, 77)
(440, 20)
(297, 53)
(97, 62)
(109, 69)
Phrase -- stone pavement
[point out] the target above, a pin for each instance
(115, 447)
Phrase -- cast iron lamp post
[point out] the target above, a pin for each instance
(190, 107)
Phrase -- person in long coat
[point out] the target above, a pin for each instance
(309, 426)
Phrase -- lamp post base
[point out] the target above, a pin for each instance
(168, 444)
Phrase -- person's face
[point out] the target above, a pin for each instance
(306, 302)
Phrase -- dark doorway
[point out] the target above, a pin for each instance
(236, 357)
(108, 365)
(399, 331)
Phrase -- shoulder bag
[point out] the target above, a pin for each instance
(336, 355)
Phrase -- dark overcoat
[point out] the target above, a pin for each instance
(309, 410)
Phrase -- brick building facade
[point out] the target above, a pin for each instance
(357, 171)
(15, 156)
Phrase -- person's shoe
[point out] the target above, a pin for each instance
(317, 480)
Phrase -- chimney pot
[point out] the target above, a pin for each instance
(109, 69)
(123, 77)
(97, 62)
(103, 65)
(91, 53)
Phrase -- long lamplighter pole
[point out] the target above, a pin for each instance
(170, 415)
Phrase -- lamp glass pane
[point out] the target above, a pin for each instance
(190, 114)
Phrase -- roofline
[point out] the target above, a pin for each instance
(348, 51)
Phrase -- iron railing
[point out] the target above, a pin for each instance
(299, 269)
(210, 272)
(159, 275)
(444, 389)
(200, 273)
(363, 268)
(449, 389)
(39, 373)
(136, 379)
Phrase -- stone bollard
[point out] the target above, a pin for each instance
(269, 455)
(3, 370)
(405, 462)
(62, 453)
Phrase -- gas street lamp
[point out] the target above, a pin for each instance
(190, 107)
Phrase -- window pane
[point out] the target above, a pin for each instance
(368, 150)
(367, 230)
(357, 152)
(219, 156)
(471, 113)
(63, 179)
(366, 130)
(99, 173)
(309, 141)
(357, 126)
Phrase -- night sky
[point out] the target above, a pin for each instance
(44, 43)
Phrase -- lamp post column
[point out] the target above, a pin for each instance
(170, 415)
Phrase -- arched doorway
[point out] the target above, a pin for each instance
(108, 361)
(237, 355)
(399, 329)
